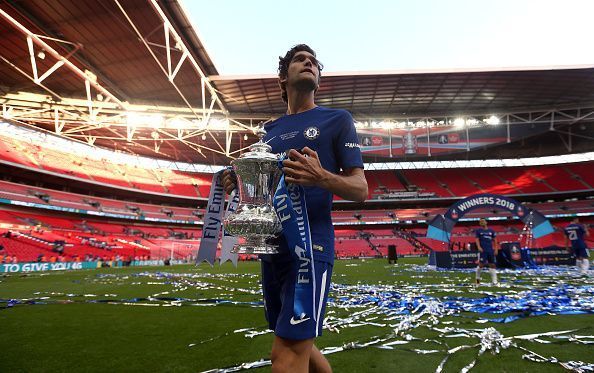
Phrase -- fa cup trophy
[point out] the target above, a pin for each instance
(254, 219)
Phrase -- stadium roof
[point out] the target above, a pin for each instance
(106, 38)
(143, 55)
(402, 94)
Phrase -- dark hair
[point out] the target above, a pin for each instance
(284, 62)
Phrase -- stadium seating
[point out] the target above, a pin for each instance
(584, 171)
(442, 182)
(86, 236)
(102, 171)
(512, 180)
(425, 181)
(561, 178)
(353, 248)
(37, 233)
(26, 193)
(22, 251)
(456, 182)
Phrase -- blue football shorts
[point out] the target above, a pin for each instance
(581, 252)
(278, 286)
(487, 257)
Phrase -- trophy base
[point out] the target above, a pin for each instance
(255, 246)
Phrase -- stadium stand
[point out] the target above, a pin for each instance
(101, 171)
(25, 193)
(447, 183)
(35, 235)
(105, 239)
(353, 248)
(584, 171)
(425, 181)
(455, 182)
(512, 180)
(37, 230)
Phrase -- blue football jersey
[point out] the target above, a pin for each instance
(331, 133)
(575, 233)
(486, 237)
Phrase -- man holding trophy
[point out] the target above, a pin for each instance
(323, 159)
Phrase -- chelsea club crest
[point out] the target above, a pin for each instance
(311, 133)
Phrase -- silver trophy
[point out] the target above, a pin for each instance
(255, 219)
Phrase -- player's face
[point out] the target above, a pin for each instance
(483, 223)
(303, 72)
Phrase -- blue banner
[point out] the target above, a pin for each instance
(228, 241)
(213, 220)
(289, 203)
(40, 267)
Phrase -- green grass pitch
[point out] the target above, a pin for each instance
(128, 319)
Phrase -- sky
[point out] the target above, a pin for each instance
(246, 37)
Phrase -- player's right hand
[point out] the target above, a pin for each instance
(229, 181)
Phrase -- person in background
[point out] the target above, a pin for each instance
(576, 233)
(486, 242)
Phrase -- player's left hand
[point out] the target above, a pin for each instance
(304, 169)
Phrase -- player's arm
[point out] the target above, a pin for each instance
(495, 245)
(305, 169)
(478, 245)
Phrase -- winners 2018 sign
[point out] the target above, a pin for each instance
(440, 228)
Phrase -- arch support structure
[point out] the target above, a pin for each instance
(441, 226)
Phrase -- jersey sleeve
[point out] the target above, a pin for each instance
(493, 233)
(477, 234)
(346, 143)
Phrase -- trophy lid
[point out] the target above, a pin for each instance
(260, 150)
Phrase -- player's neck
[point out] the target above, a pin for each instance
(300, 101)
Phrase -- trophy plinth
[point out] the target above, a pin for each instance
(255, 219)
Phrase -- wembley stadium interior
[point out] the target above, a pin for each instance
(114, 119)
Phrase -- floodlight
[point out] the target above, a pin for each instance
(459, 122)
(136, 119)
(179, 123)
(493, 120)
(218, 124)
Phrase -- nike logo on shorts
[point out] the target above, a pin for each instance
(295, 322)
